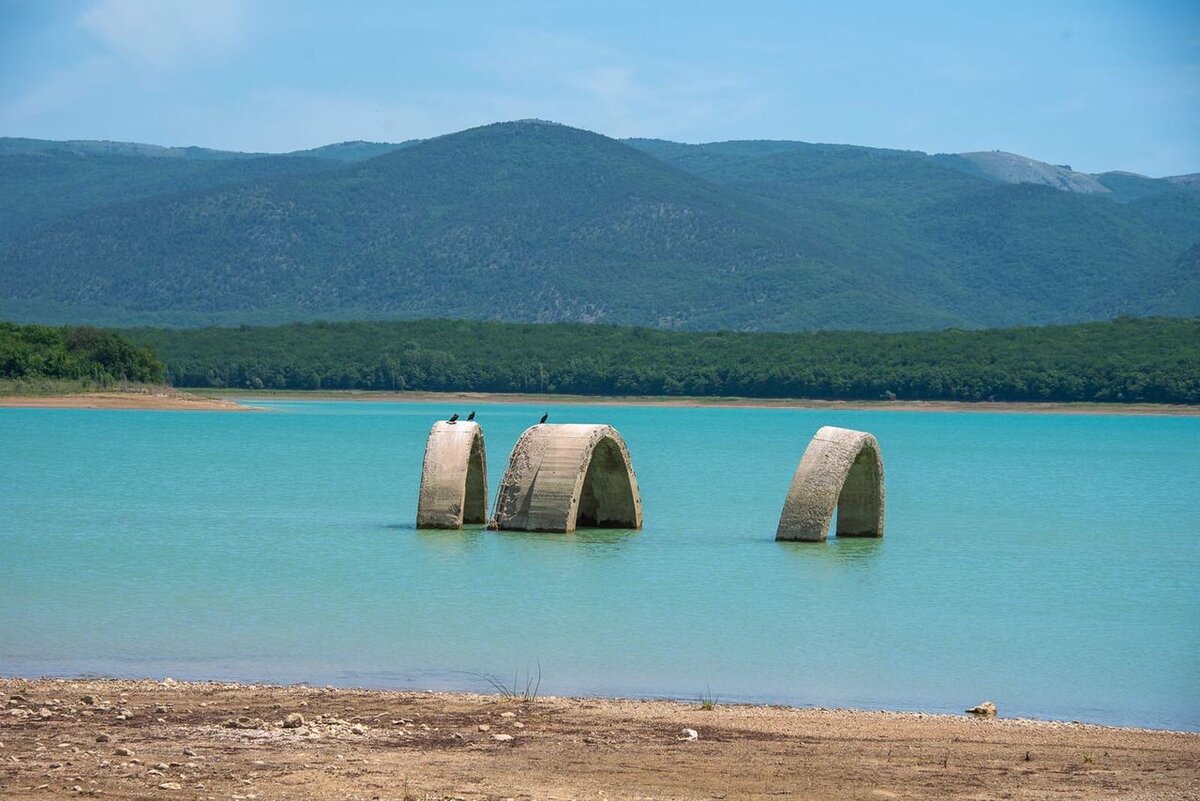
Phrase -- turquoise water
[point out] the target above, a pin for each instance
(1046, 562)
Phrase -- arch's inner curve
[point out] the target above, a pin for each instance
(606, 497)
(475, 497)
(859, 502)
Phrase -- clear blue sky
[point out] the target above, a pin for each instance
(1098, 84)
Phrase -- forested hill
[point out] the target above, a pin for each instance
(1127, 360)
(82, 353)
(532, 221)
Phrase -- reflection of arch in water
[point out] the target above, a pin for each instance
(453, 476)
(560, 477)
(843, 470)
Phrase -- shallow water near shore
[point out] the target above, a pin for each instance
(1047, 562)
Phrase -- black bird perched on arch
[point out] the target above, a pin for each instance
(453, 418)
(544, 418)
(471, 416)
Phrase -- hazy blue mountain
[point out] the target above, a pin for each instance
(1180, 293)
(340, 151)
(37, 189)
(531, 221)
(519, 221)
(96, 147)
(1011, 168)
(42, 180)
(990, 252)
(352, 151)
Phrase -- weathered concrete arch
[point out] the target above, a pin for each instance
(453, 476)
(840, 469)
(561, 477)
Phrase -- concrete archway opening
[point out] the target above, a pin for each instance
(475, 491)
(453, 476)
(562, 477)
(842, 471)
(606, 496)
(860, 503)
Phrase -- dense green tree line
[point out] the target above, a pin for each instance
(1126, 360)
(80, 353)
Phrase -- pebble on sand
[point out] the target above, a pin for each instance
(244, 722)
(986, 709)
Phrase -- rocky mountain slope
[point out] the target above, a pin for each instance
(531, 221)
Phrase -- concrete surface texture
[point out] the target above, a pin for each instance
(843, 470)
(561, 477)
(453, 476)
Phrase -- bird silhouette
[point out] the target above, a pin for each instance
(471, 416)
(453, 418)
(544, 417)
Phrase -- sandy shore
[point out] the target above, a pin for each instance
(125, 740)
(236, 400)
(461, 401)
(160, 400)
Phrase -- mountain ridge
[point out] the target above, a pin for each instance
(358, 149)
(568, 225)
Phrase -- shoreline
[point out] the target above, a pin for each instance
(243, 400)
(1002, 407)
(164, 400)
(133, 739)
(686, 702)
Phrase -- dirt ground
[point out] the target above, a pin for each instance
(165, 740)
(166, 399)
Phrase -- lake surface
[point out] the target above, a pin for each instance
(1050, 563)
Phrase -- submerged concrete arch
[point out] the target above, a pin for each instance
(561, 477)
(841, 469)
(453, 476)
